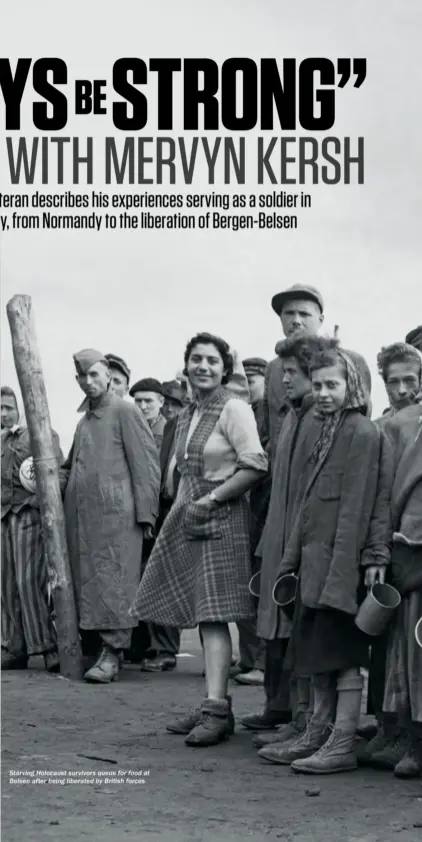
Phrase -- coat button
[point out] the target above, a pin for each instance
(186, 457)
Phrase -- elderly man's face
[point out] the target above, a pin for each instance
(150, 404)
(301, 316)
(9, 412)
(96, 381)
(118, 382)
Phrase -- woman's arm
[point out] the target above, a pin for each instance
(233, 487)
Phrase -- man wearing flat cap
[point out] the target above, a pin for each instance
(119, 375)
(173, 399)
(300, 309)
(111, 482)
(148, 396)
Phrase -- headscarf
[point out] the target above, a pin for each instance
(356, 398)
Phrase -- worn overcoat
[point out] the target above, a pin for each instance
(297, 435)
(111, 481)
(343, 522)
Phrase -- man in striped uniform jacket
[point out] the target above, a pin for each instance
(26, 625)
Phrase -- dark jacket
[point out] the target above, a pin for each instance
(405, 434)
(329, 540)
(166, 454)
(297, 435)
(275, 407)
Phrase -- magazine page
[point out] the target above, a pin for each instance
(211, 416)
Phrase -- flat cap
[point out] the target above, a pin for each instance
(255, 365)
(173, 391)
(295, 292)
(148, 384)
(85, 359)
(117, 362)
(414, 337)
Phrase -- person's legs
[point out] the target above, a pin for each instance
(337, 754)
(14, 653)
(164, 646)
(106, 667)
(215, 722)
(318, 725)
(277, 709)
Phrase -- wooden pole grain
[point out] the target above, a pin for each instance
(29, 371)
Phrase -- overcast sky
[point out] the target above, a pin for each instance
(143, 294)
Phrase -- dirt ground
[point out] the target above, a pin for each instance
(178, 793)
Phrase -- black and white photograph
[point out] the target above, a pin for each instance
(211, 421)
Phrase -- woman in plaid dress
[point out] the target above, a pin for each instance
(199, 569)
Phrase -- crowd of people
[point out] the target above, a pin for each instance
(179, 495)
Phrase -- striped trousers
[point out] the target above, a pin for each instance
(26, 624)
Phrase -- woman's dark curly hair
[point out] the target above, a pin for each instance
(222, 347)
(399, 352)
(325, 353)
(299, 347)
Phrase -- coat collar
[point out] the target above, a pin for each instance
(96, 408)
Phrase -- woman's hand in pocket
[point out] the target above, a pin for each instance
(205, 501)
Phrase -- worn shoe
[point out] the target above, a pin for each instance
(10, 661)
(307, 744)
(266, 721)
(365, 749)
(105, 669)
(238, 669)
(52, 661)
(410, 766)
(185, 724)
(336, 755)
(283, 734)
(253, 678)
(392, 753)
(161, 663)
(213, 725)
(368, 732)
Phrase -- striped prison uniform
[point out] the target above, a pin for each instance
(26, 624)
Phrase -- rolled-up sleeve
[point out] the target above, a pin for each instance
(239, 426)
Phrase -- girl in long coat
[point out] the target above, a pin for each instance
(199, 569)
(329, 546)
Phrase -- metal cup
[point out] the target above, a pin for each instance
(284, 593)
(377, 609)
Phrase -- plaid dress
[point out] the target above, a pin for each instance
(199, 569)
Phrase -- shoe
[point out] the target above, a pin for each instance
(392, 753)
(283, 734)
(410, 766)
(266, 721)
(52, 661)
(307, 744)
(337, 754)
(253, 678)
(213, 724)
(368, 732)
(238, 669)
(185, 724)
(9, 661)
(105, 669)
(161, 663)
(365, 749)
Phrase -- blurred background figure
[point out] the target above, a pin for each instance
(120, 375)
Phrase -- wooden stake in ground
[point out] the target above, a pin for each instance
(31, 381)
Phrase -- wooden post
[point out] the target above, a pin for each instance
(31, 381)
